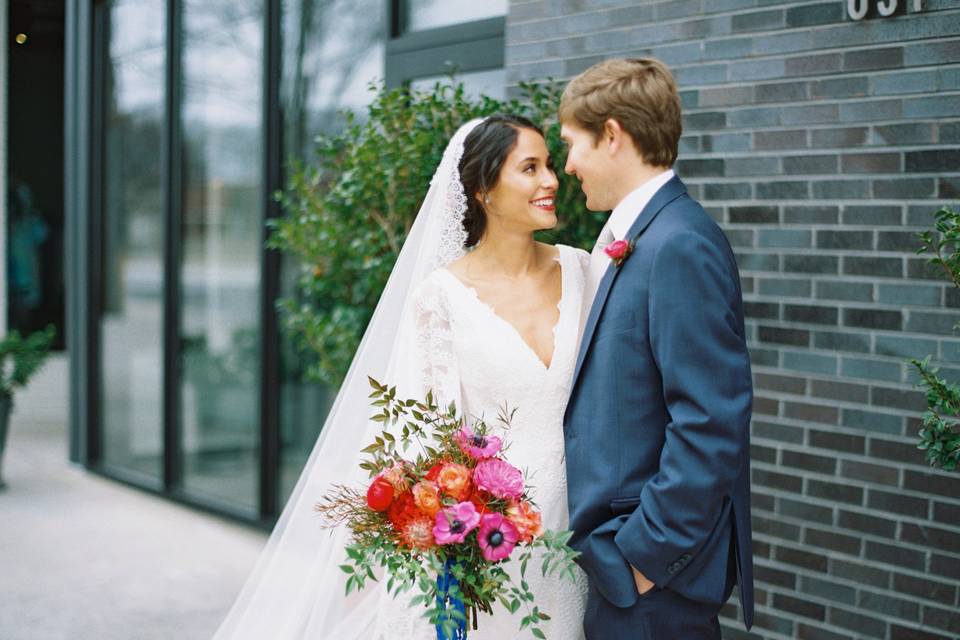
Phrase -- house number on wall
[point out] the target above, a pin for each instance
(857, 9)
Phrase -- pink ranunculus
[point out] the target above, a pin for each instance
(454, 523)
(478, 447)
(498, 478)
(617, 249)
(497, 537)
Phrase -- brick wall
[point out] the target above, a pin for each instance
(821, 145)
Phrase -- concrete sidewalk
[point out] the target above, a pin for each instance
(84, 557)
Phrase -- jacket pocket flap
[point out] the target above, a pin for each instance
(624, 505)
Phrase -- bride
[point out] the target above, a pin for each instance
(487, 315)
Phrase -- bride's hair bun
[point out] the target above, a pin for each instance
(484, 151)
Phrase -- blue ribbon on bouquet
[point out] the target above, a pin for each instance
(445, 582)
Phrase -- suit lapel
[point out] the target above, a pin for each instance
(669, 192)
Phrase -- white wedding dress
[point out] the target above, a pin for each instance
(467, 353)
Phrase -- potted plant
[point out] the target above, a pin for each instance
(20, 358)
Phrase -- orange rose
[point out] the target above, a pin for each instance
(526, 519)
(454, 481)
(396, 475)
(426, 497)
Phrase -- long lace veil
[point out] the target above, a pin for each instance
(296, 589)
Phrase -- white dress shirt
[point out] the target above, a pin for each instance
(616, 228)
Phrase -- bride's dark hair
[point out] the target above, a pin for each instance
(484, 151)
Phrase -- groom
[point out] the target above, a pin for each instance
(657, 428)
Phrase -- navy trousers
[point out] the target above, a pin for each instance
(659, 614)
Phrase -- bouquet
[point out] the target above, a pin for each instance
(446, 520)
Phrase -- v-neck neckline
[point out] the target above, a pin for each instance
(560, 305)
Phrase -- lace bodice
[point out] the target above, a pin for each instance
(469, 354)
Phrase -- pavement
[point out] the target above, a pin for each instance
(84, 557)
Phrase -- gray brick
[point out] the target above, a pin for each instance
(868, 472)
(834, 390)
(720, 142)
(948, 188)
(759, 20)
(810, 264)
(934, 53)
(924, 588)
(775, 480)
(911, 294)
(761, 310)
(783, 190)
(844, 239)
(889, 606)
(800, 607)
(725, 191)
(871, 163)
(781, 92)
(834, 491)
(727, 48)
(927, 536)
(904, 346)
(873, 59)
(810, 413)
(870, 111)
(832, 540)
(939, 483)
(784, 287)
(872, 214)
(795, 214)
(907, 82)
(755, 215)
(779, 432)
(783, 42)
(932, 107)
(758, 261)
(845, 87)
(826, 590)
(814, 14)
(933, 160)
(811, 362)
(810, 114)
(921, 215)
(739, 237)
(898, 503)
(810, 314)
(873, 319)
(836, 341)
(789, 238)
(905, 188)
(784, 384)
(858, 571)
(780, 140)
(700, 167)
(841, 189)
(802, 558)
(766, 69)
(837, 138)
(895, 555)
(778, 577)
(852, 291)
(921, 269)
(864, 523)
(700, 74)
(806, 164)
(679, 54)
(706, 121)
(871, 369)
(872, 421)
(779, 335)
(949, 132)
(892, 134)
(867, 266)
(755, 117)
(809, 65)
(912, 400)
(751, 166)
(937, 323)
(895, 451)
(906, 241)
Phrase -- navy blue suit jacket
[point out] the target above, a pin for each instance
(658, 425)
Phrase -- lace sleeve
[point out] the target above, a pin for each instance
(434, 349)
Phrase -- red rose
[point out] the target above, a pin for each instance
(617, 249)
(380, 495)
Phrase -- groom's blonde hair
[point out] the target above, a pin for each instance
(640, 94)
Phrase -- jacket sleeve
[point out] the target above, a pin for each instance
(697, 339)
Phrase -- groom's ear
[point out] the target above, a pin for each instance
(616, 138)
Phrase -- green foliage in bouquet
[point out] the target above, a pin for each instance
(940, 430)
(21, 357)
(393, 534)
(346, 218)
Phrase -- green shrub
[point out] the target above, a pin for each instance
(346, 217)
(21, 357)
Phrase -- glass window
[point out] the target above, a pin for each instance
(221, 239)
(429, 14)
(332, 51)
(490, 82)
(131, 267)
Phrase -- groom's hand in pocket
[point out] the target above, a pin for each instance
(643, 584)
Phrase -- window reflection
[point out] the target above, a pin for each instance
(132, 240)
(429, 14)
(332, 51)
(221, 236)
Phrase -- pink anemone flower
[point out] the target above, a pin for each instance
(497, 537)
(478, 446)
(454, 523)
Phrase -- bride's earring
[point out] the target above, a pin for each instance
(486, 200)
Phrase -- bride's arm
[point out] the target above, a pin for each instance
(435, 358)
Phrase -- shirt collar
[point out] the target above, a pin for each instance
(626, 212)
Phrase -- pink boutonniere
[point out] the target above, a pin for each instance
(619, 251)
